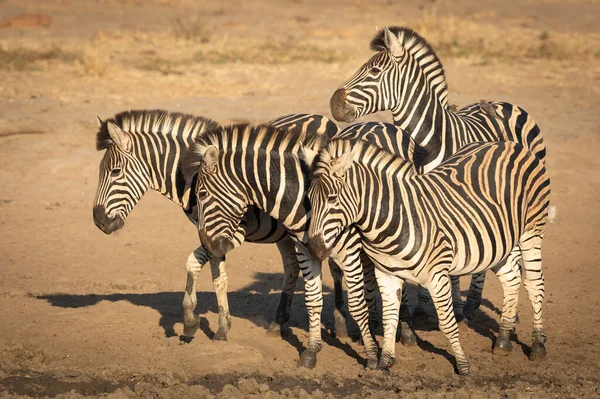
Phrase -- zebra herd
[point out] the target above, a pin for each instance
(439, 194)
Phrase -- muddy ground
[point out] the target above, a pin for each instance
(84, 314)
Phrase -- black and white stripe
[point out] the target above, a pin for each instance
(241, 166)
(407, 78)
(484, 208)
(143, 150)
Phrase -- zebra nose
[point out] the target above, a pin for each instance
(221, 245)
(339, 107)
(99, 213)
(317, 248)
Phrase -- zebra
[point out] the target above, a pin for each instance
(143, 150)
(484, 208)
(407, 77)
(240, 166)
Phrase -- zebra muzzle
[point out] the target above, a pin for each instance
(104, 222)
(317, 248)
(340, 109)
(218, 246)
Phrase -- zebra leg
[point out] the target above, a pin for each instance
(441, 293)
(291, 270)
(219, 276)
(531, 250)
(457, 298)
(407, 334)
(194, 265)
(474, 296)
(509, 274)
(338, 313)
(354, 277)
(390, 288)
(313, 295)
(370, 290)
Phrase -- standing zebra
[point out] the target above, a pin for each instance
(407, 77)
(484, 208)
(241, 166)
(143, 150)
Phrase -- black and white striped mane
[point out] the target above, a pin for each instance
(245, 136)
(422, 52)
(377, 156)
(156, 121)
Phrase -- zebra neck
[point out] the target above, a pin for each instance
(277, 185)
(428, 122)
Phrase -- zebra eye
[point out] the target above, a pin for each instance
(375, 70)
(202, 193)
(115, 172)
(331, 198)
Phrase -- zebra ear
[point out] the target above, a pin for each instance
(341, 165)
(307, 155)
(99, 121)
(210, 159)
(392, 43)
(118, 136)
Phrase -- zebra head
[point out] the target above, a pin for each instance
(123, 179)
(405, 68)
(373, 87)
(222, 201)
(333, 201)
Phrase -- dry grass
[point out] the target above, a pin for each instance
(462, 37)
(24, 59)
(94, 61)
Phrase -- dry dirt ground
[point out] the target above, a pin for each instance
(84, 314)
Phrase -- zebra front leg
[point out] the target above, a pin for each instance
(407, 334)
(440, 289)
(313, 296)
(291, 270)
(219, 276)
(474, 296)
(531, 251)
(370, 290)
(509, 274)
(194, 265)
(339, 315)
(349, 257)
(390, 288)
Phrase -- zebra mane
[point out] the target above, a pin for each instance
(155, 121)
(364, 150)
(243, 135)
(423, 53)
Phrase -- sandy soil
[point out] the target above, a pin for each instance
(84, 314)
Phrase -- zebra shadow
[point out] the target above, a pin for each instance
(255, 302)
(483, 323)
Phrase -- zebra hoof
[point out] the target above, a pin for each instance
(469, 312)
(407, 336)
(308, 359)
(372, 362)
(274, 330)
(502, 347)
(221, 335)
(463, 368)
(538, 352)
(386, 362)
(190, 330)
(340, 327)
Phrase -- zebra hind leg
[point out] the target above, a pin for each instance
(531, 250)
(509, 274)
(291, 270)
(194, 265)
(219, 276)
(407, 334)
(440, 289)
(474, 297)
(390, 288)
